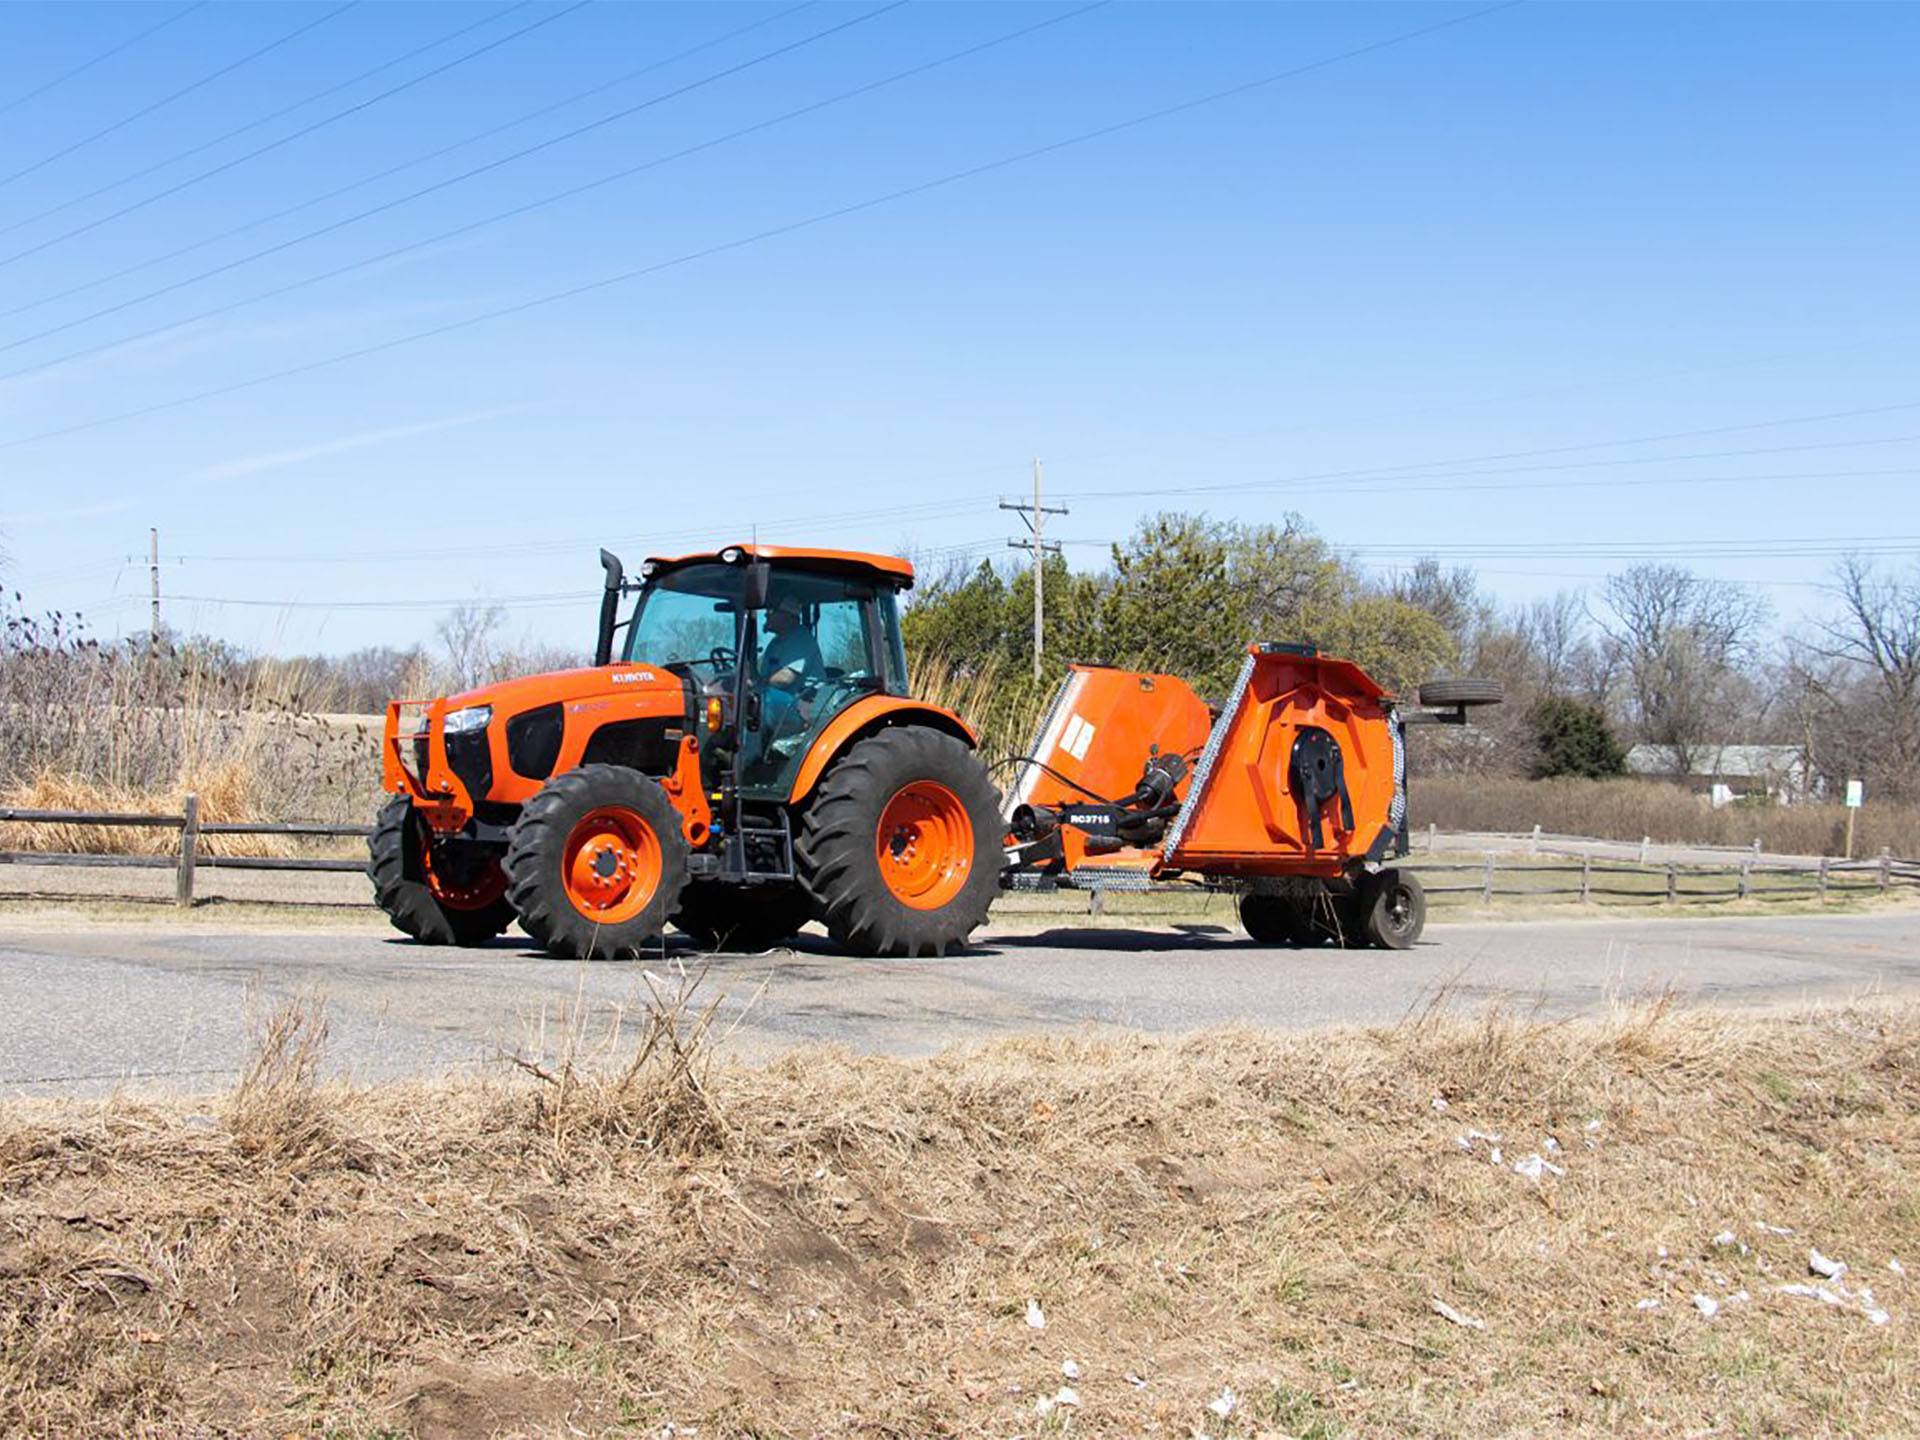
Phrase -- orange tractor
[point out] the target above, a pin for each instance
(752, 760)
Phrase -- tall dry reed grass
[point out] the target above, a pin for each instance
(87, 728)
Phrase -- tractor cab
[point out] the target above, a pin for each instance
(774, 643)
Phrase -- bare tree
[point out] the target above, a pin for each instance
(1556, 631)
(1681, 641)
(1859, 677)
(467, 636)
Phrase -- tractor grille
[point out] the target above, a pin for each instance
(468, 757)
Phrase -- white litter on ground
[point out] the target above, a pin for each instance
(1647, 1304)
(1821, 1265)
(1036, 1317)
(1068, 1397)
(1134, 1380)
(1224, 1403)
(1706, 1305)
(1535, 1166)
(1762, 1225)
(1439, 1104)
(1447, 1312)
(1813, 1292)
(1070, 1369)
(1726, 1239)
(1897, 1268)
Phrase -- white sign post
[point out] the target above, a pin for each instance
(1856, 797)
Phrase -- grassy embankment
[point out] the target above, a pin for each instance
(1230, 1234)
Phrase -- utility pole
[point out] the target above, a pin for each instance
(1035, 516)
(153, 576)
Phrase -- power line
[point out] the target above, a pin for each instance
(289, 138)
(405, 165)
(101, 58)
(773, 232)
(512, 212)
(1388, 471)
(185, 90)
(266, 119)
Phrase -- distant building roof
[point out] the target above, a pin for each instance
(1732, 762)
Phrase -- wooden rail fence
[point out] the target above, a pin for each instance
(189, 856)
(1496, 874)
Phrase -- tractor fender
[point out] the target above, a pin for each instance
(867, 717)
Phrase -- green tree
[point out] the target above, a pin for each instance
(1172, 604)
(1398, 644)
(1573, 739)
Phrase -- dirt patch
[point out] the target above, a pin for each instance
(1487, 1226)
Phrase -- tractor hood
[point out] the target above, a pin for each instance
(524, 692)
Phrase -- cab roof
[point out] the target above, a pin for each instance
(805, 558)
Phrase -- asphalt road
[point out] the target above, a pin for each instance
(153, 1004)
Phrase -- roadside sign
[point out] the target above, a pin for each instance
(1856, 793)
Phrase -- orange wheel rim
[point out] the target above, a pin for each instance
(924, 845)
(476, 894)
(611, 865)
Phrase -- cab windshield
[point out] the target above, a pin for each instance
(689, 616)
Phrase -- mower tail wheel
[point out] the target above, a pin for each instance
(427, 901)
(1392, 908)
(735, 919)
(596, 863)
(900, 847)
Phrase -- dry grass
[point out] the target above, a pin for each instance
(87, 729)
(1630, 809)
(842, 1246)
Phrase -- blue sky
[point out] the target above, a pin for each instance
(1435, 297)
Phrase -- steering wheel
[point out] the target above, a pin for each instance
(723, 657)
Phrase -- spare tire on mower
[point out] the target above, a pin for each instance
(901, 844)
(435, 904)
(596, 863)
(1464, 691)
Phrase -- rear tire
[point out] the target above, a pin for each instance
(596, 863)
(398, 863)
(901, 845)
(1393, 909)
(1270, 919)
(742, 919)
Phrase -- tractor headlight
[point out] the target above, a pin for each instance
(733, 555)
(474, 717)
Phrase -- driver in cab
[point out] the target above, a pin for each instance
(788, 662)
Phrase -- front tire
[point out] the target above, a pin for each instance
(901, 845)
(421, 902)
(596, 863)
(741, 919)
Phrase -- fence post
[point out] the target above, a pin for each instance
(1096, 902)
(1533, 842)
(1486, 881)
(1823, 877)
(189, 843)
(1756, 844)
(1673, 894)
(1645, 841)
(1746, 878)
(1586, 878)
(1431, 828)
(1886, 867)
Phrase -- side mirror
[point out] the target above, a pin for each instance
(609, 606)
(759, 581)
